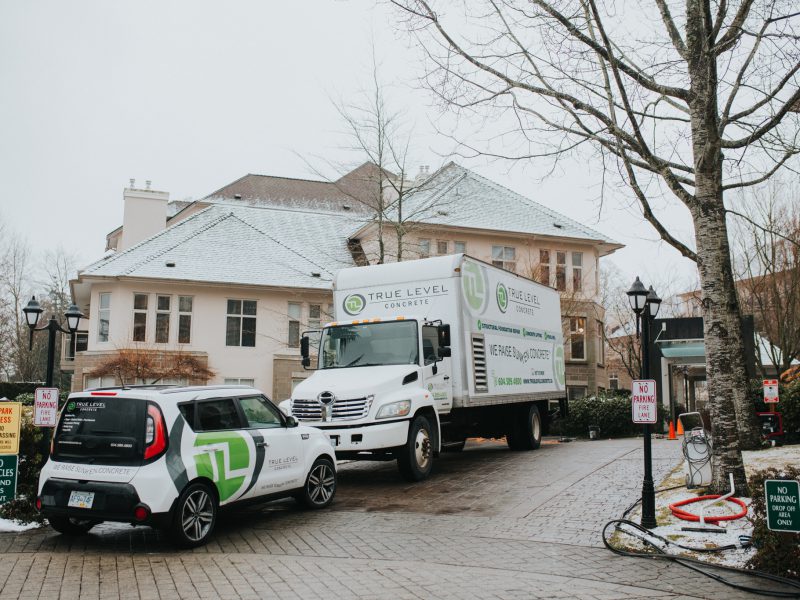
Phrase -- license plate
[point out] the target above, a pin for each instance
(334, 440)
(81, 499)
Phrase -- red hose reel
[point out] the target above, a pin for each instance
(687, 516)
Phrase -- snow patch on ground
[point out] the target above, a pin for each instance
(671, 528)
(9, 525)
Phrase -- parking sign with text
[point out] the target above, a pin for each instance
(643, 401)
(45, 407)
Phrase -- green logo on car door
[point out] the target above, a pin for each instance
(224, 458)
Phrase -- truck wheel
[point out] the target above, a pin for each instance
(195, 516)
(526, 433)
(71, 525)
(416, 457)
(320, 485)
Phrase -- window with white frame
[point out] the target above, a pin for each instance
(103, 316)
(544, 267)
(140, 317)
(504, 257)
(576, 338)
(613, 381)
(314, 316)
(600, 350)
(240, 381)
(577, 271)
(185, 319)
(240, 327)
(163, 307)
(561, 271)
(295, 314)
(424, 248)
(442, 247)
(460, 247)
(97, 382)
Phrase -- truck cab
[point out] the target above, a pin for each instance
(378, 389)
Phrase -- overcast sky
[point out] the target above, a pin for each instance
(194, 94)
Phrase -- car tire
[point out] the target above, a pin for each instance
(71, 525)
(320, 486)
(415, 461)
(195, 516)
(525, 432)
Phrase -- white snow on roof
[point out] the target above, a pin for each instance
(240, 245)
(459, 197)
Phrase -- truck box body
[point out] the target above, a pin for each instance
(506, 337)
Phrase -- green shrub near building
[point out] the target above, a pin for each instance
(611, 414)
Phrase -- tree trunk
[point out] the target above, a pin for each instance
(732, 415)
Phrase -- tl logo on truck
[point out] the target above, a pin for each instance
(354, 304)
(502, 297)
(475, 287)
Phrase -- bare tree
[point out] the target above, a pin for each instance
(685, 100)
(768, 268)
(145, 365)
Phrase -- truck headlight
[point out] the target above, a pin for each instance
(394, 409)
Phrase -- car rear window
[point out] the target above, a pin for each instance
(101, 431)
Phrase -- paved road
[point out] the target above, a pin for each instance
(490, 523)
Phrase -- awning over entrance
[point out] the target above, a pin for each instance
(682, 348)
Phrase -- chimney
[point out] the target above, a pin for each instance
(424, 172)
(145, 214)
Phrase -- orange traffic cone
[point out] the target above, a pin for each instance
(680, 427)
(672, 431)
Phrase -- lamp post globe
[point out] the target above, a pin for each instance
(653, 302)
(73, 315)
(637, 296)
(32, 311)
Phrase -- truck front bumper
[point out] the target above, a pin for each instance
(364, 438)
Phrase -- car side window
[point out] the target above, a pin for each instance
(260, 413)
(217, 415)
(188, 410)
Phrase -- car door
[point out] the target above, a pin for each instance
(279, 449)
(436, 370)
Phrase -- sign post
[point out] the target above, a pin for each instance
(643, 401)
(783, 505)
(45, 407)
(770, 391)
(8, 477)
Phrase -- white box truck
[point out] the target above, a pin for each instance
(426, 353)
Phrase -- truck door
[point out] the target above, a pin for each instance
(437, 373)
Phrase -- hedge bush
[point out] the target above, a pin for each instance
(788, 406)
(11, 390)
(612, 414)
(777, 552)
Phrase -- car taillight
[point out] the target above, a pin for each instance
(141, 512)
(155, 435)
(38, 503)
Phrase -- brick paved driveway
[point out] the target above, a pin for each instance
(489, 523)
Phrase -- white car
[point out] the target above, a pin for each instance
(170, 457)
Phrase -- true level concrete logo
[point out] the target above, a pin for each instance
(475, 287)
(502, 297)
(224, 458)
(354, 304)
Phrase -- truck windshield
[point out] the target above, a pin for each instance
(369, 344)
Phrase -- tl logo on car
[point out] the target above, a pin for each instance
(224, 458)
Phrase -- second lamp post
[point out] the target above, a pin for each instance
(73, 315)
(645, 303)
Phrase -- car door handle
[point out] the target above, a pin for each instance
(262, 444)
(447, 378)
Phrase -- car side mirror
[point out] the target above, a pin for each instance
(291, 421)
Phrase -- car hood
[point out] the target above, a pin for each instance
(354, 382)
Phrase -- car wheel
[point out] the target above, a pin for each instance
(195, 516)
(416, 457)
(320, 486)
(71, 525)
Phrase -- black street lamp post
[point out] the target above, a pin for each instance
(32, 311)
(645, 303)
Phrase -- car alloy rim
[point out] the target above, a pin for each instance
(422, 449)
(321, 482)
(197, 515)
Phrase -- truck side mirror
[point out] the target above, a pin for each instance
(444, 336)
(444, 352)
(304, 351)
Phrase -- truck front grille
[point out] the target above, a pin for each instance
(342, 410)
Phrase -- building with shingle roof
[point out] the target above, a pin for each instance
(235, 277)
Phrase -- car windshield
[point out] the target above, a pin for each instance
(369, 344)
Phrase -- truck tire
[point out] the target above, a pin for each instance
(416, 457)
(525, 432)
